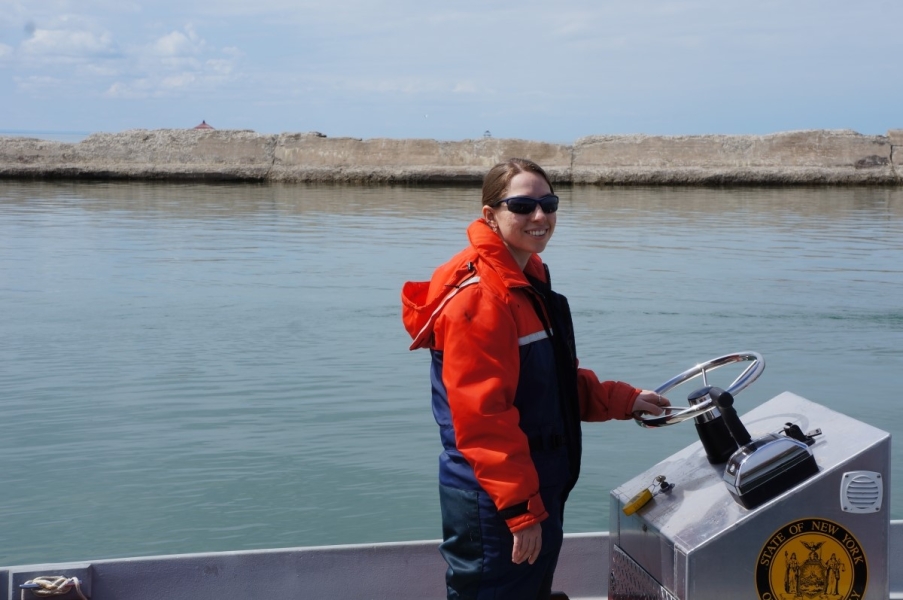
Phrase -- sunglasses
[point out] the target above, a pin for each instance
(525, 205)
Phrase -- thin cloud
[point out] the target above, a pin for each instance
(179, 43)
(182, 80)
(133, 90)
(97, 71)
(37, 83)
(465, 87)
(68, 45)
(177, 64)
(220, 66)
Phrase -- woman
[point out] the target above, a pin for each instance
(507, 392)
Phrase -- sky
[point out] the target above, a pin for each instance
(453, 70)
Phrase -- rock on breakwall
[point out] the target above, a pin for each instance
(789, 158)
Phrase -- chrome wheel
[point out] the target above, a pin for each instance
(676, 414)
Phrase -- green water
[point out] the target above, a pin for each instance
(194, 368)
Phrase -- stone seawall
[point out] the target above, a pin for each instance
(816, 157)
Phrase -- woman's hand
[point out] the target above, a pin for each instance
(650, 403)
(527, 543)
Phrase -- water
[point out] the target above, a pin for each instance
(194, 368)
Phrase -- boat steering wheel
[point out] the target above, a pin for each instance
(676, 414)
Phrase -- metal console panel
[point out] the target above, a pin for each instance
(816, 539)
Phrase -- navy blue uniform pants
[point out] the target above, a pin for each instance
(477, 546)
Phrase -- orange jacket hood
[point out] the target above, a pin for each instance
(487, 260)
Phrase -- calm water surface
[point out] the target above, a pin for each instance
(193, 368)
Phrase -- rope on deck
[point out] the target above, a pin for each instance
(52, 585)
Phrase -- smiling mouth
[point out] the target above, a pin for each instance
(538, 232)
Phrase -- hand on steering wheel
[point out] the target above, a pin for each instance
(649, 402)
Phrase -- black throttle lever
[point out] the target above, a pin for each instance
(725, 404)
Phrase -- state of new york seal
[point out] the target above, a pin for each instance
(811, 559)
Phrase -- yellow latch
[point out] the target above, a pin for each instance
(644, 496)
(637, 502)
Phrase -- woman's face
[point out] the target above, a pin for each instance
(523, 234)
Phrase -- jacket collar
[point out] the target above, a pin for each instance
(491, 249)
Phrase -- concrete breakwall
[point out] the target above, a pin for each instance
(815, 157)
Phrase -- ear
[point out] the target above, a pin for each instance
(489, 217)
